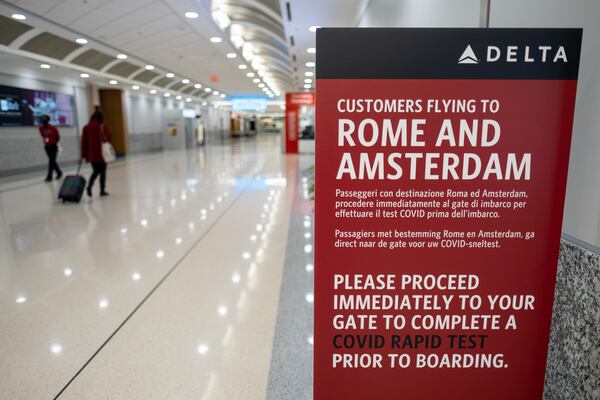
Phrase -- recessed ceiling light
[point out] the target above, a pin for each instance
(204, 103)
(44, 66)
(121, 56)
(250, 74)
(261, 85)
(310, 64)
(81, 41)
(207, 89)
(197, 86)
(185, 81)
(178, 97)
(231, 55)
(216, 39)
(167, 94)
(19, 16)
(308, 80)
(153, 91)
(170, 75)
(242, 66)
(191, 14)
(307, 86)
(311, 50)
(314, 28)
(84, 75)
(135, 87)
(309, 73)
(256, 80)
(216, 93)
(149, 67)
(187, 100)
(113, 82)
(223, 95)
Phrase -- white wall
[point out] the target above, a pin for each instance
(22, 147)
(582, 208)
(421, 13)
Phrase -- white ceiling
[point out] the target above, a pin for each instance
(157, 32)
(325, 13)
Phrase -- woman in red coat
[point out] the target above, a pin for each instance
(94, 134)
(51, 137)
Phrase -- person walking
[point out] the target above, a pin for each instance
(51, 138)
(94, 134)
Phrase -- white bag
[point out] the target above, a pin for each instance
(108, 152)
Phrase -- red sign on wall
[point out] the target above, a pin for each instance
(293, 102)
(441, 166)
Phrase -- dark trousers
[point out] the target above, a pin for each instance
(51, 151)
(99, 168)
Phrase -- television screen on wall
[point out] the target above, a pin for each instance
(25, 107)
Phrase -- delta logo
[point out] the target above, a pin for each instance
(513, 54)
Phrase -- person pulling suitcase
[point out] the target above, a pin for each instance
(95, 133)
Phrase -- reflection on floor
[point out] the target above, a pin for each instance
(167, 289)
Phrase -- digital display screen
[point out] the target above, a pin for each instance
(25, 107)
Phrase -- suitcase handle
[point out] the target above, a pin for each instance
(79, 166)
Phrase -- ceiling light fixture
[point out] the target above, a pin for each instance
(167, 94)
(113, 82)
(185, 81)
(231, 55)
(250, 74)
(207, 90)
(121, 56)
(309, 73)
(204, 103)
(311, 50)
(81, 41)
(314, 28)
(187, 100)
(216, 39)
(170, 75)
(149, 67)
(45, 66)
(308, 80)
(256, 80)
(223, 95)
(307, 86)
(153, 91)
(135, 87)
(310, 64)
(197, 86)
(178, 97)
(261, 85)
(216, 93)
(84, 75)
(242, 66)
(20, 17)
(191, 14)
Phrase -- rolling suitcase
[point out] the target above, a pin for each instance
(72, 187)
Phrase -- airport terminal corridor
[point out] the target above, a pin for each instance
(167, 288)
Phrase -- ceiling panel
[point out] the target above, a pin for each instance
(11, 29)
(50, 45)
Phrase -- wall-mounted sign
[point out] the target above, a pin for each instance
(441, 165)
(249, 104)
(25, 107)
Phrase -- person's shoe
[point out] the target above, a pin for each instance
(89, 191)
(104, 193)
(59, 175)
(48, 180)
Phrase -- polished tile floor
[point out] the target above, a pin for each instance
(167, 289)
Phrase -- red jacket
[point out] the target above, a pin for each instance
(49, 134)
(92, 137)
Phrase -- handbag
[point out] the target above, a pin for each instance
(108, 151)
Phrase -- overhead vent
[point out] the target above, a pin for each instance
(292, 41)
(188, 90)
(50, 45)
(163, 82)
(11, 30)
(198, 92)
(145, 76)
(177, 86)
(93, 59)
(288, 8)
(123, 69)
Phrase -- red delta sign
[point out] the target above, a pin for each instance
(440, 184)
(293, 102)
